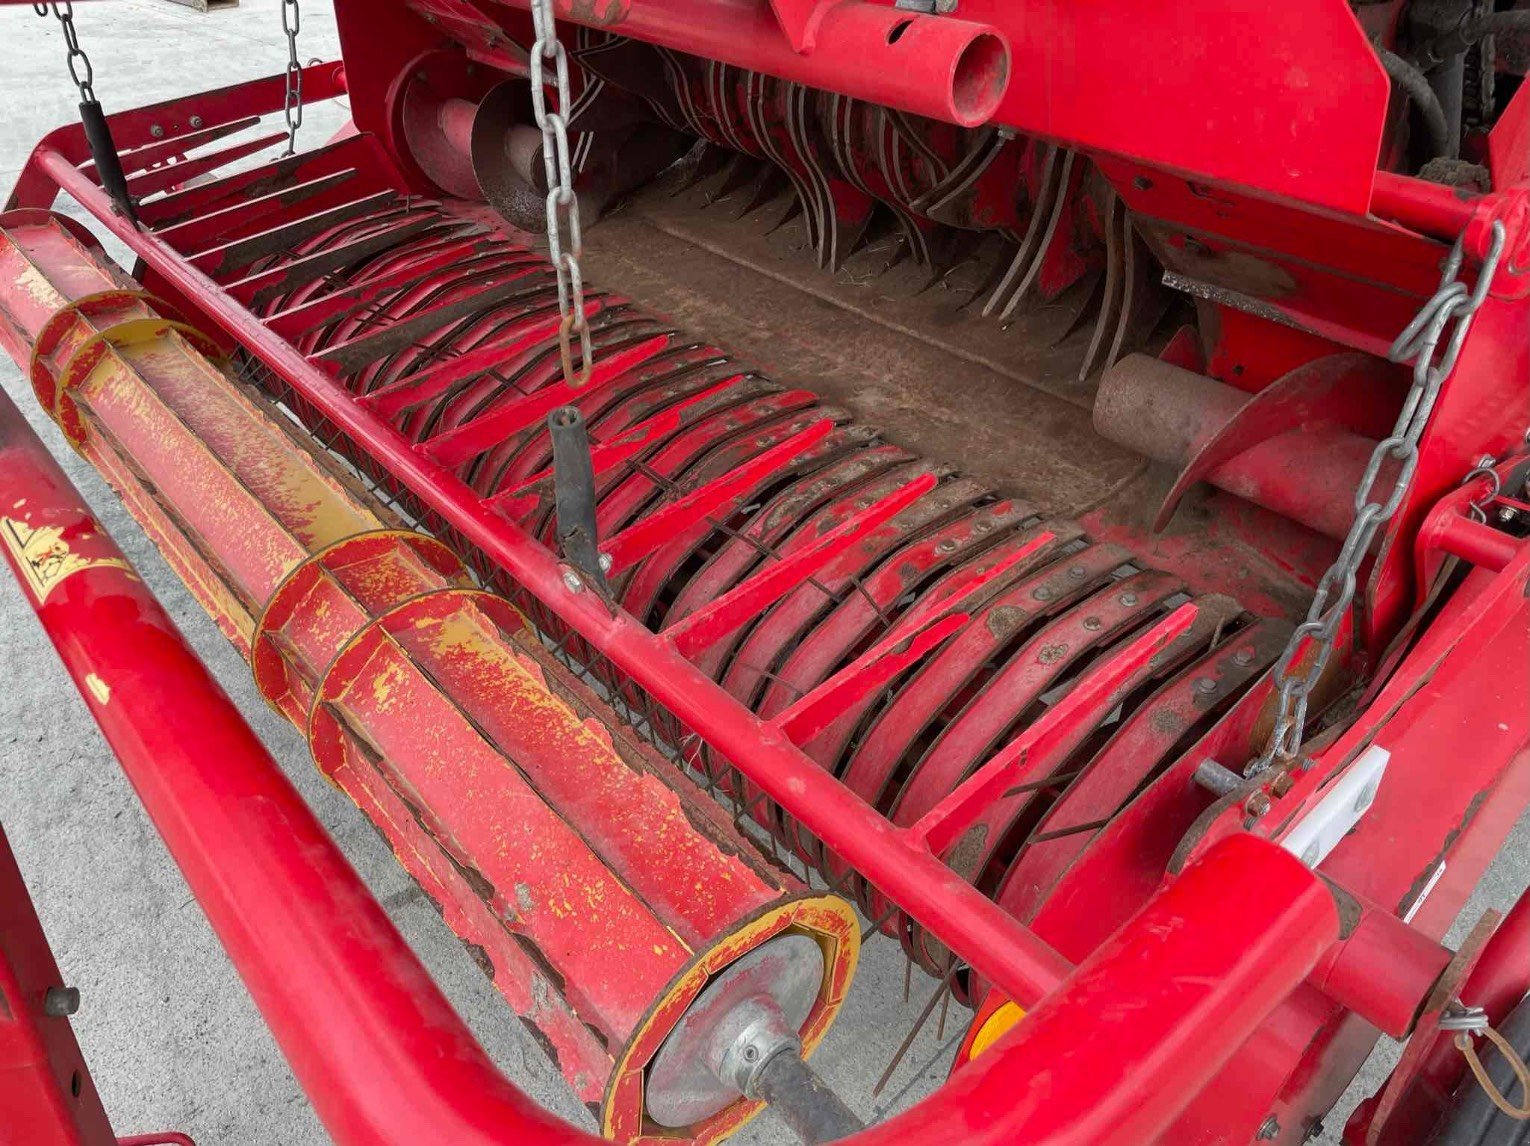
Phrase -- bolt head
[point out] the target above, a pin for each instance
(1205, 685)
(157, 131)
(1269, 1129)
(1366, 797)
(61, 1002)
(196, 121)
(605, 563)
(572, 581)
(1129, 599)
(1243, 658)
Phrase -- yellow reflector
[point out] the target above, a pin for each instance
(994, 1026)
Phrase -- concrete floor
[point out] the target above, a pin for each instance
(172, 1038)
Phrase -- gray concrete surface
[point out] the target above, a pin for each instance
(172, 1038)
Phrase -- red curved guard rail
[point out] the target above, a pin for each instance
(1110, 1057)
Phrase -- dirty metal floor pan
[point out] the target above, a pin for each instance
(915, 360)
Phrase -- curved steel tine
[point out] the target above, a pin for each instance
(905, 132)
(757, 92)
(1111, 307)
(1041, 210)
(680, 81)
(1143, 303)
(939, 200)
(796, 130)
(1054, 216)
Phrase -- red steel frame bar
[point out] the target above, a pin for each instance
(991, 941)
(943, 67)
(378, 1048)
(49, 1097)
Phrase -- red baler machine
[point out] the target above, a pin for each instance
(1040, 483)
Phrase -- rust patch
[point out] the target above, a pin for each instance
(1416, 888)
(480, 955)
(1005, 620)
(968, 851)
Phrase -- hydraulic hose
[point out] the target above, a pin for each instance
(1416, 87)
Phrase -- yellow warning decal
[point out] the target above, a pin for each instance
(45, 558)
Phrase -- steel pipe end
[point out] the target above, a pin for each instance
(979, 79)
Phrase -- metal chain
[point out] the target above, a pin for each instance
(1418, 343)
(80, 71)
(562, 203)
(292, 105)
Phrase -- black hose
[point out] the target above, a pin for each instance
(1469, 32)
(1416, 87)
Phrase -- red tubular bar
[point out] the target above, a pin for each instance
(1002, 950)
(378, 1048)
(1383, 969)
(943, 67)
(1428, 208)
(1471, 541)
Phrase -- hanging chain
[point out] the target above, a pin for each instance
(80, 71)
(562, 203)
(1418, 343)
(292, 106)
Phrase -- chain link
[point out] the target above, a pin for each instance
(1418, 343)
(565, 246)
(292, 105)
(80, 71)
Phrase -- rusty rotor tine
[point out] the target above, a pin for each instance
(782, 517)
(912, 703)
(611, 404)
(660, 572)
(1134, 755)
